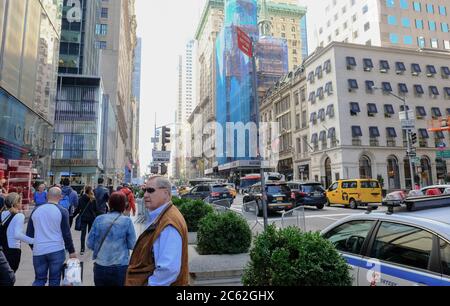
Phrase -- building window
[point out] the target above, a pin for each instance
(408, 40)
(406, 23)
(392, 20)
(404, 4)
(321, 114)
(368, 64)
(366, 26)
(312, 97)
(319, 93)
(444, 27)
(434, 91)
(330, 111)
(402, 88)
(417, 6)
(329, 88)
(442, 10)
(415, 69)
(354, 108)
(436, 112)
(447, 93)
(418, 90)
(447, 44)
(313, 118)
(351, 62)
(386, 86)
(384, 66)
(327, 66)
(430, 8)
(400, 67)
(352, 84)
(372, 109)
(389, 110)
(419, 24)
(432, 25)
(393, 38)
(434, 43)
(104, 12)
(369, 86)
(390, 3)
(101, 29)
(356, 134)
(421, 112)
(421, 42)
(319, 71)
(374, 135)
(365, 9)
(431, 71)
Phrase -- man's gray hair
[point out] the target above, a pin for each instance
(162, 182)
(54, 192)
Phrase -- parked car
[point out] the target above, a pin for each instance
(441, 188)
(354, 193)
(174, 191)
(308, 194)
(278, 197)
(209, 193)
(399, 249)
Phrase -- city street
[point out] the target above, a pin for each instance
(315, 220)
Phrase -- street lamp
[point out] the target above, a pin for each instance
(409, 146)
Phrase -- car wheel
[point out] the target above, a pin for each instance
(320, 206)
(353, 204)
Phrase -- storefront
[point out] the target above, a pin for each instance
(24, 144)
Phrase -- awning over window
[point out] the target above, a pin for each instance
(374, 132)
(351, 61)
(354, 107)
(370, 85)
(423, 133)
(436, 112)
(400, 66)
(389, 109)
(391, 133)
(419, 89)
(356, 131)
(372, 108)
(421, 112)
(434, 90)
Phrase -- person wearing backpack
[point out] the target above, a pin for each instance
(11, 230)
(69, 200)
(86, 212)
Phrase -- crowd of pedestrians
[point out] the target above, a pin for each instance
(103, 218)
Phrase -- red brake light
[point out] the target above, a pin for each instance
(215, 194)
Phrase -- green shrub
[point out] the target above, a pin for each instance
(289, 257)
(225, 233)
(178, 202)
(193, 212)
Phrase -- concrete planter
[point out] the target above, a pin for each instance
(192, 238)
(216, 270)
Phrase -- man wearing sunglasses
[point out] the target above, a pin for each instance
(162, 250)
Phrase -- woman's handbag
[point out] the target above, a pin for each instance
(78, 219)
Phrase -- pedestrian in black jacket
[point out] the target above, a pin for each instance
(87, 212)
(7, 276)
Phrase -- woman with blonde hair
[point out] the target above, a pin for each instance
(86, 212)
(11, 230)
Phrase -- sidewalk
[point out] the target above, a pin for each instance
(25, 274)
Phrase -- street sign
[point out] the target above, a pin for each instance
(244, 42)
(161, 156)
(408, 124)
(443, 154)
(411, 115)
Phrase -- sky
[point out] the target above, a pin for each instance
(165, 27)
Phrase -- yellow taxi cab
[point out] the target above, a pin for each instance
(183, 190)
(354, 193)
(232, 190)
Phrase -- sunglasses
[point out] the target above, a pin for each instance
(151, 190)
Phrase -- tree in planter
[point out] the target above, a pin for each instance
(193, 212)
(223, 233)
(289, 257)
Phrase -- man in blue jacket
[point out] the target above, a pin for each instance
(102, 197)
(69, 200)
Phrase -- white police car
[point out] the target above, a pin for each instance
(403, 248)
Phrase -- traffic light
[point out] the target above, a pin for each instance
(414, 138)
(165, 136)
(163, 169)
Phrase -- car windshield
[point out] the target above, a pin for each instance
(220, 189)
(312, 188)
(248, 183)
(371, 184)
(271, 189)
